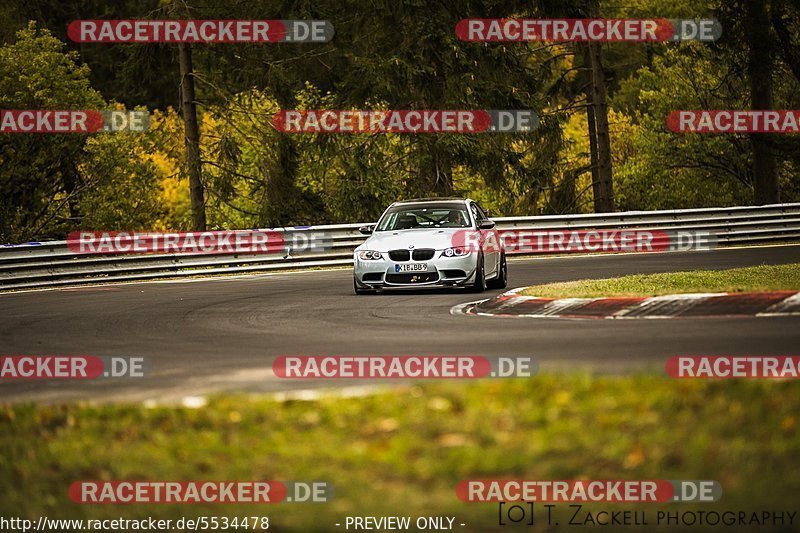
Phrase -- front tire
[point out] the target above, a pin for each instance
(358, 290)
(480, 276)
(501, 281)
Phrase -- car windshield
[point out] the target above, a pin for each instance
(424, 217)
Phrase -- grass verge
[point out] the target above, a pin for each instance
(403, 452)
(749, 279)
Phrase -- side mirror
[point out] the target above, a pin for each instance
(486, 224)
(367, 230)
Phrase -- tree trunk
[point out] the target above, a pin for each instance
(192, 135)
(283, 205)
(604, 201)
(441, 170)
(760, 61)
(71, 181)
(603, 182)
(592, 126)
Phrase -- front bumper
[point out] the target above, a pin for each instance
(441, 272)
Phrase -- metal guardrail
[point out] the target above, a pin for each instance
(52, 263)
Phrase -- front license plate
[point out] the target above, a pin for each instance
(411, 267)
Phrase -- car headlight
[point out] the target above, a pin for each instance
(457, 251)
(369, 255)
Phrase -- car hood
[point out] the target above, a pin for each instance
(438, 239)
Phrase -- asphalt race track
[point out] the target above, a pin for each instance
(222, 334)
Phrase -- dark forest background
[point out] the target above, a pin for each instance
(602, 144)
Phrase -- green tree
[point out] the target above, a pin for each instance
(668, 170)
(40, 182)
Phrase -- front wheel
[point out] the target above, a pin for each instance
(480, 276)
(358, 290)
(501, 281)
